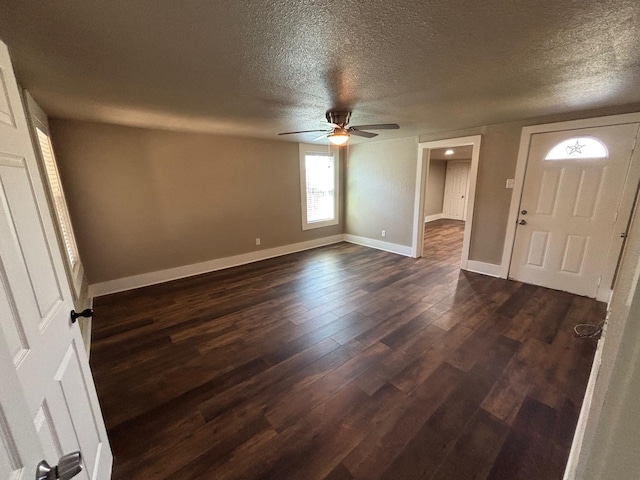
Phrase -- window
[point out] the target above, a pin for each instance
(319, 186)
(57, 202)
(57, 198)
(578, 147)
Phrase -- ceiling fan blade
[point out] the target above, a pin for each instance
(360, 133)
(379, 126)
(321, 136)
(303, 131)
(332, 125)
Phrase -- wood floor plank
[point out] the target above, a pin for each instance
(475, 451)
(343, 362)
(529, 450)
(390, 439)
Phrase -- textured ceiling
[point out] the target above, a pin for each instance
(259, 67)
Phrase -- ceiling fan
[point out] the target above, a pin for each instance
(339, 131)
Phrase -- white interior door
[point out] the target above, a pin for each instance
(455, 190)
(53, 404)
(570, 203)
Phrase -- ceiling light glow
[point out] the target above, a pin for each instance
(449, 152)
(338, 138)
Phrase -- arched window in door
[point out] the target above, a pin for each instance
(578, 147)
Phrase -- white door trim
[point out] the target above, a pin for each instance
(521, 166)
(422, 171)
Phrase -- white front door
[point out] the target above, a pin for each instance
(455, 190)
(48, 405)
(570, 202)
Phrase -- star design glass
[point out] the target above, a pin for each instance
(575, 149)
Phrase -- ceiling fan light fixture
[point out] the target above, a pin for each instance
(339, 136)
(340, 131)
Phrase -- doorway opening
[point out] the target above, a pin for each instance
(445, 192)
(447, 189)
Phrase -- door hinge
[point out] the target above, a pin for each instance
(599, 280)
(615, 217)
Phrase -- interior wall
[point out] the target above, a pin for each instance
(145, 200)
(380, 185)
(434, 195)
(610, 448)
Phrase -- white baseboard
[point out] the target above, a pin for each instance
(433, 218)
(378, 244)
(485, 268)
(575, 454)
(152, 278)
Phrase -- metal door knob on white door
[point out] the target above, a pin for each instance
(68, 467)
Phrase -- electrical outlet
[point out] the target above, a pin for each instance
(510, 183)
(384, 233)
(257, 240)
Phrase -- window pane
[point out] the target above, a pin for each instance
(577, 147)
(320, 184)
(59, 203)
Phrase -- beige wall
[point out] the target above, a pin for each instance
(146, 200)
(380, 188)
(434, 194)
(381, 182)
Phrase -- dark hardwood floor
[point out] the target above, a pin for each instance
(343, 362)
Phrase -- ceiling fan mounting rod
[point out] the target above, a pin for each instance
(339, 118)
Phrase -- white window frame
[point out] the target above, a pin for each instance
(75, 271)
(304, 149)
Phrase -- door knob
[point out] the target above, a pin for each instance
(523, 212)
(522, 222)
(68, 467)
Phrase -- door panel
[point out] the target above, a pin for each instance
(19, 208)
(548, 196)
(71, 401)
(570, 204)
(47, 432)
(586, 200)
(573, 258)
(43, 363)
(20, 449)
(538, 248)
(10, 461)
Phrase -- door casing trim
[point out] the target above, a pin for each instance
(422, 172)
